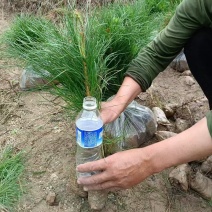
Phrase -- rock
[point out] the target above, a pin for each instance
(186, 73)
(180, 63)
(189, 81)
(203, 185)
(206, 166)
(204, 100)
(170, 109)
(160, 116)
(181, 125)
(54, 177)
(50, 199)
(162, 135)
(169, 112)
(178, 177)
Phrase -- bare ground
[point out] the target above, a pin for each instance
(35, 122)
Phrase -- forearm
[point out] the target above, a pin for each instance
(127, 92)
(192, 144)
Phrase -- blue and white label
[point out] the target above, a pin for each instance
(89, 139)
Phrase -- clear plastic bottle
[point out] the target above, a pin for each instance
(89, 134)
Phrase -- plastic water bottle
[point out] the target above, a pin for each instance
(89, 134)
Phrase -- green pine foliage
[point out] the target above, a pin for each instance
(129, 27)
(11, 170)
(87, 51)
(162, 6)
(24, 36)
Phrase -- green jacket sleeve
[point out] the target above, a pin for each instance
(209, 121)
(190, 16)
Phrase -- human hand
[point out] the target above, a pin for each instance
(125, 169)
(127, 92)
(121, 170)
(110, 111)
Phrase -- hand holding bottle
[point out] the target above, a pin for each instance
(126, 169)
(119, 171)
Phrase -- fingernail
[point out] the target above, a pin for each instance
(85, 188)
(78, 182)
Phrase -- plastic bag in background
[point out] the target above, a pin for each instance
(180, 63)
(30, 79)
(135, 126)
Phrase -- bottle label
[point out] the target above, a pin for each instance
(89, 139)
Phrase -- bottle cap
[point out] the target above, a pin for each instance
(89, 103)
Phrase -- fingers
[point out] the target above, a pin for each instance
(101, 181)
(94, 179)
(93, 166)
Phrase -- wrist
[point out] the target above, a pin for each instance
(126, 93)
(154, 156)
(119, 103)
(146, 161)
(111, 110)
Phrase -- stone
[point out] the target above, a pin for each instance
(160, 116)
(181, 125)
(206, 166)
(169, 112)
(162, 135)
(202, 185)
(186, 73)
(178, 177)
(54, 176)
(50, 199)
(204, 100)
(189, 80)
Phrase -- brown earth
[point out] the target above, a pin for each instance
(35, 122)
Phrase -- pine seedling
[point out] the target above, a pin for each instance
(70, 54)
(11, 169)
(88, 51)
(129, 27)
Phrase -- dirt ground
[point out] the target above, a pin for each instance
(36, 123)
